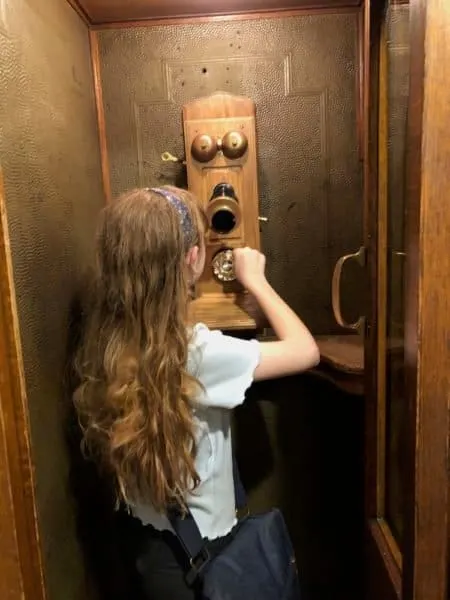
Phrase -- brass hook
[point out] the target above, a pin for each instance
(167, 157)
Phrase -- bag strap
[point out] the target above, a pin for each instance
(240, 497)
(188, 533)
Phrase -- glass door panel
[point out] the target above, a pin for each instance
(397, 84)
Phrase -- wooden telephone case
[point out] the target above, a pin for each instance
(220, 143)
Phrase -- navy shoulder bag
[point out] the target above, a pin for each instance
(258, 563)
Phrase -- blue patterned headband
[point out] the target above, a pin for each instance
(181, 208)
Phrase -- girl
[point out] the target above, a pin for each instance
(156, 392)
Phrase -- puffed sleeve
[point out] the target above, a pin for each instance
(224, 365)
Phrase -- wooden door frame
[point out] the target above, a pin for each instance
(421, 574)
(21, 572)
(383, 560)
(427, 319)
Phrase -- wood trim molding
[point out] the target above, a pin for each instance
(372, 30)
(382, 266)
(96, 72)
(21, 570)
(383, 557)
(80, 11)
(389, 552)
(360, 83)
(244, 16)
(427, 319)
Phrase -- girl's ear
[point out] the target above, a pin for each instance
(192, 256)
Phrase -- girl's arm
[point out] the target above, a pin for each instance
(295, 350)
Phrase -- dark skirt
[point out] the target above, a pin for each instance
(160, 563)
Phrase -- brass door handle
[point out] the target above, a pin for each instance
(360, 257)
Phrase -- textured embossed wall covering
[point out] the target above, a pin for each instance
(50, 157)
(301, 73)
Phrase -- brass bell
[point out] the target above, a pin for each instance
(234, 144)
(204, 148)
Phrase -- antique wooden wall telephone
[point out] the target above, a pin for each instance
(220, 143)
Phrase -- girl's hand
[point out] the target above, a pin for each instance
(249, 267)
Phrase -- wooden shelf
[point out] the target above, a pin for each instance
(343, 352)
(227, 312)
(342, 362)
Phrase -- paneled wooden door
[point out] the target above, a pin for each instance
(407, 231)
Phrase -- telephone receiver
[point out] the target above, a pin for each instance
(224, 215)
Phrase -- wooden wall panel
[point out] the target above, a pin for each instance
(21, 574)
(427, 323)
(52, 179)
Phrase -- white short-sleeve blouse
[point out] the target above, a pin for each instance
(224, 366)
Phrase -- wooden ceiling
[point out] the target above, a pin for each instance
(116, 11)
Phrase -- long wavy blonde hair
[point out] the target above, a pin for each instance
(134, 399)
